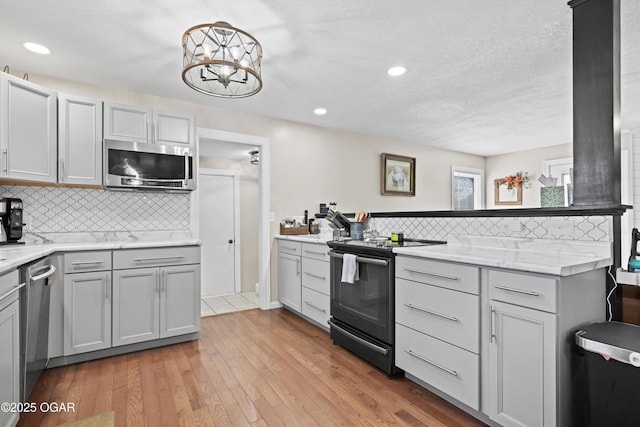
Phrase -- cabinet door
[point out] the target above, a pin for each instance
(28, 134)
(179, 300)
(522, 368)
(127, 123)
(173, 129)
(87, 312)
(289, 283)
(9, 361)
(79, 140)
(136, 296)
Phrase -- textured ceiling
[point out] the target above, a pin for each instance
(485, 76)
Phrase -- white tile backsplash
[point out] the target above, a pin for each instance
(73, 210)
(580, 228)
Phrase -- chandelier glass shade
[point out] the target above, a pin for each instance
(221, 60)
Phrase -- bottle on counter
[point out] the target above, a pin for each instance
(306, 216)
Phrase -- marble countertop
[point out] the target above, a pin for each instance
(12, 256)
(306, 238)
(559, 258)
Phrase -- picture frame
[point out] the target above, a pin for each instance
(397, 175)
(504, 195)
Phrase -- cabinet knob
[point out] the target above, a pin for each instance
(230, 240)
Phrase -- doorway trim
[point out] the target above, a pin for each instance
(237, 270)
(264, 243)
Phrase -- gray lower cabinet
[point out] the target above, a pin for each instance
(530, 322)
(304, 279)
(289, 274)
(87, 312)
(10, 348)
(522, 368)
(155, 302)
(86, 303)
(498, 341)
(136, 308)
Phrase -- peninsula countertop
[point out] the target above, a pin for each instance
(559, 258)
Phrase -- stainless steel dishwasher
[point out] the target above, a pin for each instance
(34, 322)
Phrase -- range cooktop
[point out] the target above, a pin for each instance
(378, 246)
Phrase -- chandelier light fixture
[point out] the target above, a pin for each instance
(221, 60)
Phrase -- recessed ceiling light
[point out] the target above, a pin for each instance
(396, 71)
(320, 111)
(36, 48)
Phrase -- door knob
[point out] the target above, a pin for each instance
(230, 240)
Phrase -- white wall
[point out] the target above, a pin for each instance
(530, 161)
(310, 164)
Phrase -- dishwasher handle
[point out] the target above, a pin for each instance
(50, 269)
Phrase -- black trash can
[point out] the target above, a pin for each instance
(612, 369)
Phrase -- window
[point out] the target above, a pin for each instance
(467, 188)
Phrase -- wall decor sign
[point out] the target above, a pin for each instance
(505, 194)
(397, 175)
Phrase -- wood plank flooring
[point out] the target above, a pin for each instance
(250, 368)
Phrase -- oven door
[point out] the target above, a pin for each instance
(367, 304)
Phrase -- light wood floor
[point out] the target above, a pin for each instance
(261, 368)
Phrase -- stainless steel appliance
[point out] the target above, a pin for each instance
(362, 313)
(12, 220)
(34, 322)
(135, 165)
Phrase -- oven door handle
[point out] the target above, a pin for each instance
(356, 338)
(374, 261)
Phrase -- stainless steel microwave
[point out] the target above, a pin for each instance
(135, 165)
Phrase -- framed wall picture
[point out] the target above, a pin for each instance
(397, 175)
(503, 195)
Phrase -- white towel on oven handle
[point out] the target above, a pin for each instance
(350, 268)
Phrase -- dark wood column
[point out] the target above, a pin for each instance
(596, 102)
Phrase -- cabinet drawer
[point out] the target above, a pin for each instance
(155, 257)
(315, 251)
(459, 277)
(442, 313)
(76, 262)
(315, 306)
(8, 282)
(448, 368)
(290, 247)
(525, 290)
(315, 275)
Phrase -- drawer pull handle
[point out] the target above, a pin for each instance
(158, 258)
(519, 291)
(290, 248)
(316, 253)
(493, 324)
(315, 275)
(317, 308)
(81, 263)
(426, 273)
(430, 362)
(15, 288)
(424, 310)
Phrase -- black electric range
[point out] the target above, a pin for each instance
(362, 310)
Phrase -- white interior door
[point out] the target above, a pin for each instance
(218, 219)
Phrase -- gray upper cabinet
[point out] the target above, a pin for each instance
(79, 140)
(28, 131)
(139, 124)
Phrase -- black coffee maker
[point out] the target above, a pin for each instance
(11, 215)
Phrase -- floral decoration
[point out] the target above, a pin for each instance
(514, 181)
